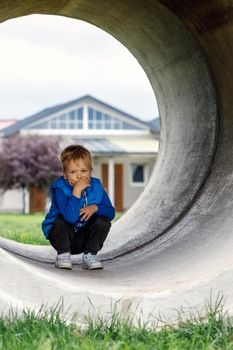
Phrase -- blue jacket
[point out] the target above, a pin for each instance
(64, 203)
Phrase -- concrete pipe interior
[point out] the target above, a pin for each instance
(178, 235)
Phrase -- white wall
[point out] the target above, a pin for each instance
(12, 200)
(130, 192)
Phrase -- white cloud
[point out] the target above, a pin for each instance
(46, 60)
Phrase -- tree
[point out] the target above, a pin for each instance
(29, 162)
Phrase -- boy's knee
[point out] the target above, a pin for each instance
(60, 223)
(103, 222)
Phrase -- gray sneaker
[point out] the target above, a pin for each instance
(89, 262)
(63, 261)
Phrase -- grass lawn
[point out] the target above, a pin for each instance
(22, 228)
(25, 228)
(48, 330)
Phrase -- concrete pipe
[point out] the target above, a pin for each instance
(175, 244)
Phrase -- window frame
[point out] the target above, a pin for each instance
(145, 174)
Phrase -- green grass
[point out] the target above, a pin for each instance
(25, 228)
(48, 330)
(22, 228)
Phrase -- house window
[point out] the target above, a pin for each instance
(100, 120)
(139, 174)
(41, 126)
(129, 126)
(75, 119)
(70, 120)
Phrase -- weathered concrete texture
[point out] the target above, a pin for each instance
(175, 242)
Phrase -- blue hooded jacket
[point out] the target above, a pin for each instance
(64, 203)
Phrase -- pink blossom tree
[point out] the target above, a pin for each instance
(29, 162)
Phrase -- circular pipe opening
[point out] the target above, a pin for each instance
(179, 76)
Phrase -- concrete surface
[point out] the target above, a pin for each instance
(175, 244)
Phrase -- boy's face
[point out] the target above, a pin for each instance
(76, 170)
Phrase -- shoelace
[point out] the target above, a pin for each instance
(64, 256)
(91, 258)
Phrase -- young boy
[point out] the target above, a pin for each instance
(79, 217)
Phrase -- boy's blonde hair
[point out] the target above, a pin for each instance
(75, 152)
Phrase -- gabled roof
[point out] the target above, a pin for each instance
(155, 124)
(15, 128)
(104, 146)
(99, 146)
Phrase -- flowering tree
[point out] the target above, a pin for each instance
(29, 162)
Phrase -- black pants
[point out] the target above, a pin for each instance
(88, 239)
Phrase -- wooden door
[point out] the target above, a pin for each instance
(104, 176)
(118, 187)
(37, 199)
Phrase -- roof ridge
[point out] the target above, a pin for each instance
(14, 128)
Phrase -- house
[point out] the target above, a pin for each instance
(124, 148)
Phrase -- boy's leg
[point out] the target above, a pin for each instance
(60, 237)
(91, 237)
(97, 233)
(89, 240)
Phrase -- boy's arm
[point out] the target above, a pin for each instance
(106, 208)
(98, 203)
(69, 206)
(95, 192)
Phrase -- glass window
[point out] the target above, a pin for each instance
(117, 124)
(72, 115)
(53, 125)
(129, 126)
(71, 120)
(40, 126)
(138, 173)
(62, 117)
(90, 113)
(95, 118)
(80, 113)
(98, 115)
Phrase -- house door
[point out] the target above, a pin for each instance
(118, 183)
(37, 199)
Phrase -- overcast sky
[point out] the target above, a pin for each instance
(47, 60)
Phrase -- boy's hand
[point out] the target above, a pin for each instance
(88, 211)
(80, 185)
